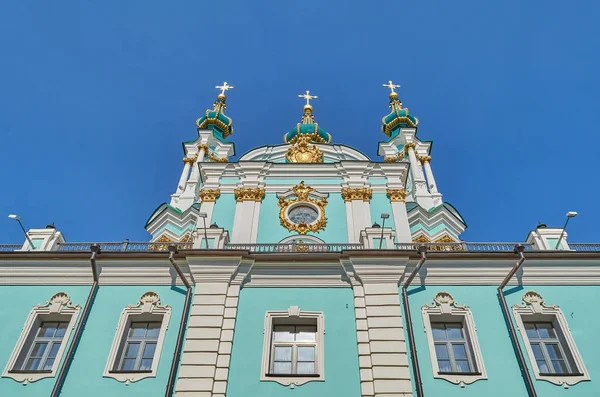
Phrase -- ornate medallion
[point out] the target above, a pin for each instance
(302, 152)
(302, 213)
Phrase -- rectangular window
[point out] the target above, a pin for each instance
(551, 353)
(452, 348)
(294, 350)
(138, 350)
(41, 352)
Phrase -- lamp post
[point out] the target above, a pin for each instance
(570, 214)
(18, 219)
(203, 215)
(384, 216)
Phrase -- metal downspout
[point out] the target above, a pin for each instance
(64, 369)
(182, 322)
(511, 328)
(409, 326)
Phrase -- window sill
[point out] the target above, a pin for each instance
(293, 375)
(130, 372)
(28, 371)
(460, 373)
(561, 375)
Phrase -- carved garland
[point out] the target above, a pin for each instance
(302, 196)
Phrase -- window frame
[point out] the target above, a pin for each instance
(445, 310)
(57, 309)
(148, 309)
(535, 310)
(292, 317)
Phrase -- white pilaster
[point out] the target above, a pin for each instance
(184, 176)
(245, 222)
(401, 222)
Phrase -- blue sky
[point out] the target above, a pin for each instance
(96, 98)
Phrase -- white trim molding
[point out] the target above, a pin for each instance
(534, 309)
(445, 309)
(148, 308)
(58, 308)
(293, 316)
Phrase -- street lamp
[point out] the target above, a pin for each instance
(384, 216)
(570, 214)
(203, 215)
(18, 219)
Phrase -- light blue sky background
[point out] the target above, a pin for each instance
(95, 98)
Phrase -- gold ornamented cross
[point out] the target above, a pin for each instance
(224, 87)
(308, 97)
(391, 86)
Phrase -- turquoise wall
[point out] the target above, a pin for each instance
(19, 300)
(575, 303)
(271, 231)
(341, 354)
(380, 203)
(85, 377)
(224, 212)
(504, 376)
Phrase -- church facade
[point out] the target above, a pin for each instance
(305, 269)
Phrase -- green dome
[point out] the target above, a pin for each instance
(216, 120)
(398, 118)
(308, 128)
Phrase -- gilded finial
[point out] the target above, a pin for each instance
(224, 88)
(308, 97)
(391, 86)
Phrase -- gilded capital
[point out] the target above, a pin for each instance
(359, 193)
(424, 159)
(396, 195)
(209, 195)
(218, 159)
(190, 160)
(409, 145)
(390, 159)
(249, 194)
(205, 148)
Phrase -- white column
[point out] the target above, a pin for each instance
(247, 212)
(184, 175)
(361, 215)
(350, 223)
(202, 149)
(415, 168)
(430, 180)
(401, 221)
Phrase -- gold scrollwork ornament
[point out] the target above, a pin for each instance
(302, 196)
(302, 152)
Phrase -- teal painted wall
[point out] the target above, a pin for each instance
(20, 300)
(341, 353)
(576, 303)
(224, 211)
(271, 231)
(504, 377)
(380, 203)
(85, 376)
(308, 182)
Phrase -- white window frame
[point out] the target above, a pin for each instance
(58, 308)
(445, 310)
(293, 316)
(147, 309)
(534, 309)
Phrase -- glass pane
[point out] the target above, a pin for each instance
(48, 365)
(306, 333)
(560, 367)
(32, 364)
(462, 366)
(47, 330)
(459, 351)
(542, 366)
(282, 368)
(439, 332)
(454, 331)
(306, 368)
(38, 349)
(62, 328)
(131, 350)
(283, 353)
(149, 350)
(128, 364)
(441, 351)
(553, 351)
(537, 351)
(138, 330)
(54, 350)
(545, 330)
(306, 353)
(146, 364)
(283, 333)
(531, 331)
(444, 366)
(153, 330)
